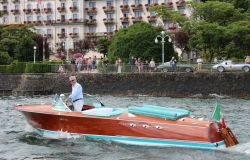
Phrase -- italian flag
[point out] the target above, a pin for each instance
(218, 116)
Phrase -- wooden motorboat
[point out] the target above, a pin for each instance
(146, 125)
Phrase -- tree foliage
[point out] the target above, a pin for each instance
(17, 42)
(103, 45)
(138, 41)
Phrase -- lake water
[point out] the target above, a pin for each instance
(18, 142)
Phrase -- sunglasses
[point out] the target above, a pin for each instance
(72, 80)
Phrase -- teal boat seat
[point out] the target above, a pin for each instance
(159, 111)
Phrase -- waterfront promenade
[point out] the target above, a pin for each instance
(173, 84)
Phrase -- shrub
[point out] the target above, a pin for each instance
(37, 68)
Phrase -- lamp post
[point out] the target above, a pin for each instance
(163, 35)
(34, 54)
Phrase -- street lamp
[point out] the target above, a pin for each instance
(163, 35)
(64, 50)
(34, 54)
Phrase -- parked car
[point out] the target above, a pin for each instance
(167, 67)
(230, 66)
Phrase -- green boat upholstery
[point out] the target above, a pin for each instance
(179, 112)
(104, 111)
(159, 111)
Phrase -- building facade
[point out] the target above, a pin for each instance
(65, 22)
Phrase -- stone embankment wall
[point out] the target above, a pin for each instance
(153, 84)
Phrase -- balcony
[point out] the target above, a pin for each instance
(172, 27)
(168, 4)
(74, 35)
(3, 1)
(75, 20)
(108, 21)
(124, 19)
(151, 5)
(62, 20)
(37, 10)
(181, 4)
(61, 35)
(27, 22)
(48, 36)
(73, 8)
(61, 9)
(15, 11)
(152, 18)
(137, 7)
(124, 8)
(47, 10)
(5, 11)
(15, 1)
(108, 34)
(48, 22)
(90, 22)
(37, 22)
(109, 9)
(90, 34)
(137, 19)
(27, 11)
(92, 10)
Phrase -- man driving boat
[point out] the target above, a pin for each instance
(76, 95)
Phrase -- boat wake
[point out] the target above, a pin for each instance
(241, 148)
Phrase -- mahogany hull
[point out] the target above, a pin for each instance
(186, 129)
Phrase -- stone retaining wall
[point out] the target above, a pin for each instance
(154, 84)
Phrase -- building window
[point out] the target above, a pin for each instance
(17, 19)
(125, 2)
(39, 18)
(75, 30)
(29, 6)
(125, 14)
(92, 28)
(29, 18)
(5, 19)
(49, 17)
(5, 7)
(125, 25)
(110, 28)
(49, 5)
(109, 15)
(62, 16)
(75, 16)
(109, 3)
(91, 16)
(137, 1)
(137, 13)
(63, 5)
(152, 14)
(17, 6)
(63, 30)
(92, 4)
(75, 4)
(49, 31)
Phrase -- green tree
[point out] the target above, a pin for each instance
(103, 45)
(24, 49)
(216, 12)
(5, 58)
(138, 41)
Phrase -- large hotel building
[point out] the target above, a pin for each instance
(64, 22)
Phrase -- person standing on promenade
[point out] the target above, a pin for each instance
(76, 95)
(199, 64)
(173, 63)
(247, 60)
(132, 64)
(152, 65)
